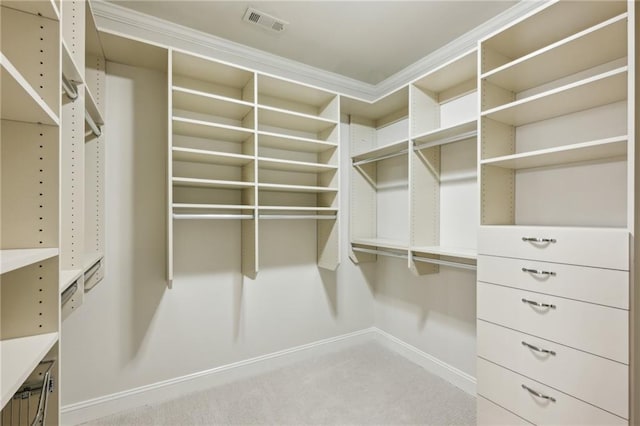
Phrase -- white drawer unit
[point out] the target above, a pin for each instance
(592, 328)
(535, 402)
(596, 247)
(598, 381)
(490, 414)
(596, 285)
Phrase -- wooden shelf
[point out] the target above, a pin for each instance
(91, 106)
(210, 71)
(459, 132)
(293, 143)
(450, 74)
(597, 45)
(589, 93)
(587, 151)
(284, 119)
(191, 206)
(20, 101)
(206, 129)
(382, 151)
(381, 243)
(293, 166)
(20, 357)
(549, 25)
(18, 258)
(208, 103)
(67, 277)
(211, 157)
(293, 92)
(69, 67)
(45, 8)
(298, 208)
(210, 183)
(462, 253)
(294, 188)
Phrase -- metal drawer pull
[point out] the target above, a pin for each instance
(539, 240)
(537, 349)
(539, 305)
(538, 394)
(538, 272)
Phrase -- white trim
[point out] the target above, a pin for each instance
(154, 393)
(456, 377)
(119, 20)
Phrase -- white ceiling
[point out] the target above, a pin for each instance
(364, 40)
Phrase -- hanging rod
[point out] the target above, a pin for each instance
(383, 157)
(380, 252)
(70, 88)
(212, 216)
(444, 141)
(445, 263)
(297, 216)
(95, 129)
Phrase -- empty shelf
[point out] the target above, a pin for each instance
(206, 129)
(462, 253)
(600, 44)
(187, 206)
(298, 208)
(195, 100)
(19, 358)
(293, 166)
(67, 277)
(210, 183)
(589, 93)
(18, 258)
(381, 243)
(382, 152)
(46, 8)
(294, 188)
(446, 135)
(293, 92)
(20, 101)
(451, 73)
(211, 157)
(293, 143)
(587, 151)
(284, 119)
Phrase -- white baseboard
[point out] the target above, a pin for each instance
(84, 411)
(458, 378)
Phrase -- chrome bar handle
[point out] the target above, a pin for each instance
(538, 240)
(537, 349)
(538, 394)
(538, 272)
(538, 304)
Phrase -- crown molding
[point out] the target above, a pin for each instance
(119, 20)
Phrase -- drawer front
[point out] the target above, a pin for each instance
(505, 388)
(490, 414)
(600, 247)
(596, 285)
(597, 329)
(593, 379)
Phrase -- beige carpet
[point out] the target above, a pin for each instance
(365, 384)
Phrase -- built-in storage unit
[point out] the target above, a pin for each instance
(557, 206)
(414, 170)
(251, 147)
(29, 249)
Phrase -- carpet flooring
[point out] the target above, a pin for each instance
(365, 384)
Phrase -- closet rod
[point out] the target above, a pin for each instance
(445, 263)
(212, 216)
(380, 252)
(444, 141)
(70, 88)
(297, 216)
(383, 157)
(95, 129)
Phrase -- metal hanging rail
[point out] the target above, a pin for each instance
(445, 263)
(383, 157)
(70, 88)
(95, 129)
(211, 216)
(297, 216)
(444, 141)
(380, 252)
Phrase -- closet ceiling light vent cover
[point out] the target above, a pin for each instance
(271, 23)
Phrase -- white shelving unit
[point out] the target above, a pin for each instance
(557, 172)
(30, 178)
(248, 146)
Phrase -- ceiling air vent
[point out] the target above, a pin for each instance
(266, 21)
